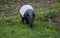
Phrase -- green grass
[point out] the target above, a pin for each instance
(11, 27)
(2, 2)
(55, 6)
(58, 1)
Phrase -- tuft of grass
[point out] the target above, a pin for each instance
(2, 2)
(58, 1)
(55, 6)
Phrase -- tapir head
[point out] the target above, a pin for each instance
(30, 17)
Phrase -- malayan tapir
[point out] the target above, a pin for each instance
(27, 14)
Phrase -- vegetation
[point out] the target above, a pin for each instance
(12, 27)
(58, 1)
(55, 6)
(2, 1)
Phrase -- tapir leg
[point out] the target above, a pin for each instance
(22, 20)
(27, 22)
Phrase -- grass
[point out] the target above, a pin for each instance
(58, 1)
(11, 27)
(55, 6)
(2, 2)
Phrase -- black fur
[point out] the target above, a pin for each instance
(29, 17)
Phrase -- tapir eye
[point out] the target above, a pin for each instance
(28, 15)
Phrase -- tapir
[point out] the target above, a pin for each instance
(27, 14)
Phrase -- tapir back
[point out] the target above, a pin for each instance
(24, 8)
